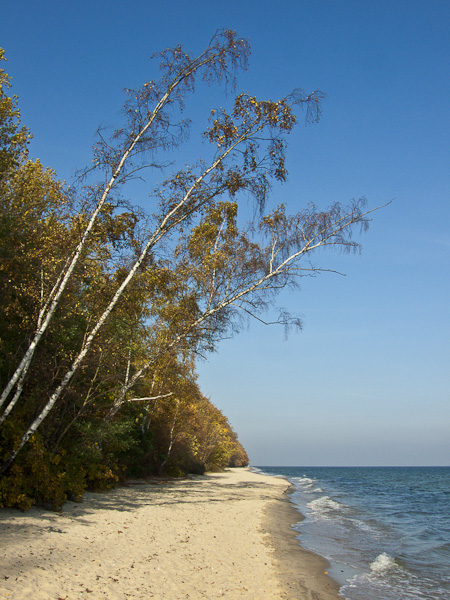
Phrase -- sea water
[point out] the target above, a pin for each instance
(384, 530)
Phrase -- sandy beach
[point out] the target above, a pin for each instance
(224, 535)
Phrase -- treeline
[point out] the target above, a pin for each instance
(167, 427)
(106, 306)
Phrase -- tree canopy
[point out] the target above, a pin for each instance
(106, 306)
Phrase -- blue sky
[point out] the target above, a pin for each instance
(367, 381)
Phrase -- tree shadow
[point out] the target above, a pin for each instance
(22, 530)
(131, 496)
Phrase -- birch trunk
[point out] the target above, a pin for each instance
(171, 437)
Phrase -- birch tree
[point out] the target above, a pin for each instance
(226, 273)
(148, 128)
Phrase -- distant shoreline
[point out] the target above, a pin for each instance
(221, 535)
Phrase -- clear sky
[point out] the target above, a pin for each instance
(367, 381)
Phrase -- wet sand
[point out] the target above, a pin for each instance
(224, 535)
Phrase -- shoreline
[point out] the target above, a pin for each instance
(303, 572)
(220, 535)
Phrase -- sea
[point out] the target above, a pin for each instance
(384, 530)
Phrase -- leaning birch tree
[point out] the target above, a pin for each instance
(147, 130)
(226, 274)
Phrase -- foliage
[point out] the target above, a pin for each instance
(105, 309)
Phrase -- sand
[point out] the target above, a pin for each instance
(224, 535)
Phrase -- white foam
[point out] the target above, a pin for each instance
(383, 563)
(305, 481)
(323, 505)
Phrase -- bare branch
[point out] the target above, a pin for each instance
(149, 398)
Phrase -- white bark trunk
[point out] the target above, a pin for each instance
(171, 437)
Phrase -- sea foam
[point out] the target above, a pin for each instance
(305, 481)
(383, 563)
(323, 505)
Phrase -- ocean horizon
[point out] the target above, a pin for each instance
(384, 530)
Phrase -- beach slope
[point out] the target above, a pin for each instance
(220, 535)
